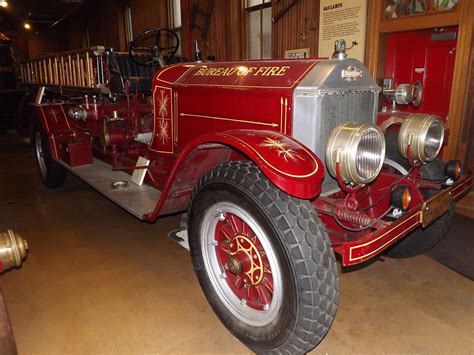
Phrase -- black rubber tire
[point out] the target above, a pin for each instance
(54, 174)
(303, 249)
(420, 240)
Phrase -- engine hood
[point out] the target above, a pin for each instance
(262, 74)
(337, 75)
(308, 75)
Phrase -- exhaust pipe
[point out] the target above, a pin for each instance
(12, 250)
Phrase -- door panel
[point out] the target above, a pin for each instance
(427, 56)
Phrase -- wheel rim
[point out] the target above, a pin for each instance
(241, 264)
(40, 155)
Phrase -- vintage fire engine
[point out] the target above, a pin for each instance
(282, 165)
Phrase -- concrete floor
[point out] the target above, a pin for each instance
(97, 280)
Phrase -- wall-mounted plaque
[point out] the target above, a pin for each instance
(297, 53)
(343, 19)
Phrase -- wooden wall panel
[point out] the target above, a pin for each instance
(215, 42)
(227, 33)
(37, 43)
(71, 34)
(96, 23)
(456, 148)
(287, 31)
(105, 23)
(148, 14)
(40, 44)
(374, 58)
(467, 131)
(100, 23)
(224, 37)
(237, 31)
(466, 205)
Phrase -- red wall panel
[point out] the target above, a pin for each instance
(419, 55)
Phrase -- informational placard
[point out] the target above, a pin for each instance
(298, 53)
(343, 19)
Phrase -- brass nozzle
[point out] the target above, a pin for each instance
(12, 249)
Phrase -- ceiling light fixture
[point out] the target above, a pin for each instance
(3, 4)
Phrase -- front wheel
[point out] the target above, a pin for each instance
(52, 174)
(263, 260)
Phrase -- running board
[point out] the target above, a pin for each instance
(139, 200)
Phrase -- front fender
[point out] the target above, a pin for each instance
(288, 164)
(285, 162)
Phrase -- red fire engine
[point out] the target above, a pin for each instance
(281, 165)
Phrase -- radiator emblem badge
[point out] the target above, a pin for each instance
(351, 73)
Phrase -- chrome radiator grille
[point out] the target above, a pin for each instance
(326, 98)
(316, 116)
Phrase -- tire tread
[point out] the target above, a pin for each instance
(306, 239)
(56, 174)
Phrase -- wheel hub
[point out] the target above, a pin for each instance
(247, 270)
(245, 251)
(234, 265)
(241, 263)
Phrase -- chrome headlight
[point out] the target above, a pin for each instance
(360, 150)
(424, 134)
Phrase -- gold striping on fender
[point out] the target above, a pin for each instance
(272, 166)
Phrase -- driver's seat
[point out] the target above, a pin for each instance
(123, 69)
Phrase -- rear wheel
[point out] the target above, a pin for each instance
(263, 260)
(422, 239)
(52, 174)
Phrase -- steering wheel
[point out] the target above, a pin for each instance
(149, 43)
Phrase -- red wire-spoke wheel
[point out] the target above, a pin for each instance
(243, 267)
(244, 261)
(263, 260)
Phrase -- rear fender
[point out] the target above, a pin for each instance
(54, 123)
(53, 119)
(285, 162)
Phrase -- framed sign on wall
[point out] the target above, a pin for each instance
(343, 19)
(297, 53)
